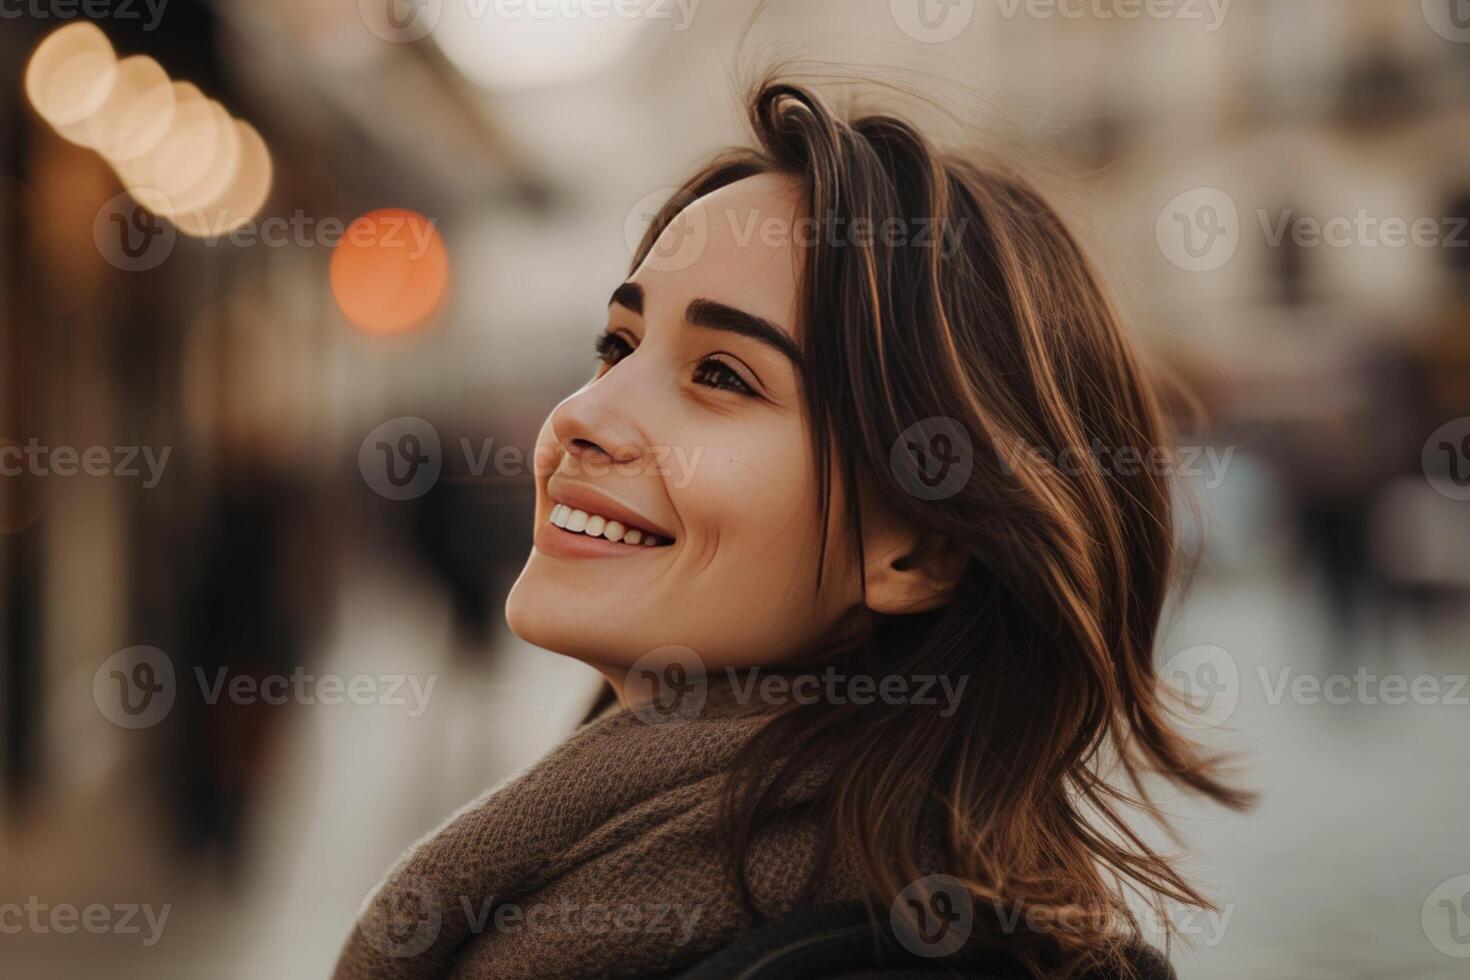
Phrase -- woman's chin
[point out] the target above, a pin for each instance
(531, 613)
(560, 619)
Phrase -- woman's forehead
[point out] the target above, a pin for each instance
(737, 246)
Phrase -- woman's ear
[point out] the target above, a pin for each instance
(908, 570)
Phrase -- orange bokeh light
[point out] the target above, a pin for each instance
(390, 272)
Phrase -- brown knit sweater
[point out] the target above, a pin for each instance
(599, 861)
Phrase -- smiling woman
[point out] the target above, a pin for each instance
(704, 357)
(872, 414)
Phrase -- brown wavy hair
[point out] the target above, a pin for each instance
(1001, 323)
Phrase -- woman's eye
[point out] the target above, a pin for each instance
(611, 348)
(715, 373)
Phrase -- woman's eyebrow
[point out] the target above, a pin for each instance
(630, 296)
(717, 316)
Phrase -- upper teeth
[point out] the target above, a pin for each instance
(599, 527)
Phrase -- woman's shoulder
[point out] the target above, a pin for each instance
(848, 940)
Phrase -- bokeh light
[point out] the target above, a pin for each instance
(71, 75)
(220, 168)
(179, 154)
(390, 272)
(545, 46)
(137, 113)
(241, 198)
(187, 151)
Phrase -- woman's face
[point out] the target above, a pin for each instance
(692, 430)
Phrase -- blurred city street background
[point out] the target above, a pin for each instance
(1279, 191)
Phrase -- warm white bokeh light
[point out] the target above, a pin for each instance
(242, 199)
(545, 43)
(137, 113)
(70, 76)
(187, 152)
(221, 170)
(179, 154)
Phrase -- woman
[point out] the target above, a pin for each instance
(843, 518)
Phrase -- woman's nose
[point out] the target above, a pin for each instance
(600, 422)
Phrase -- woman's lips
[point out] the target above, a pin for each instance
(594, 501)
(558, 542)
(578, 521)
(586, 521)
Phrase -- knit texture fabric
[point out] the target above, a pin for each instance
(599, 861)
